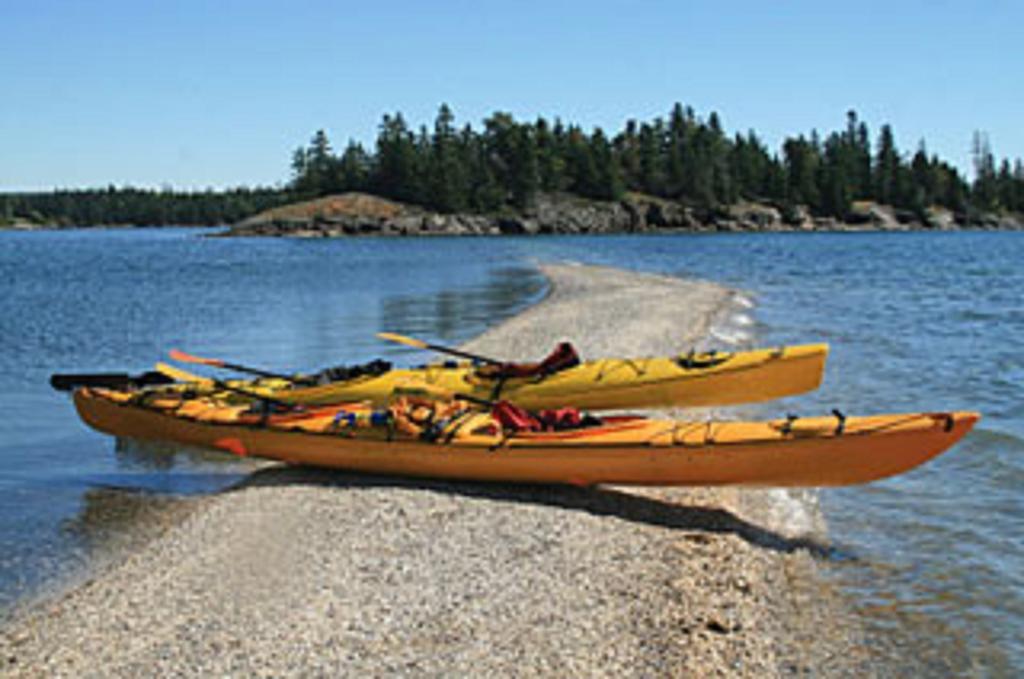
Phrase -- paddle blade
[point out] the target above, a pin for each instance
(70, 382)
(420, 344)
(182, 375)
(402, 339)
(182, 357)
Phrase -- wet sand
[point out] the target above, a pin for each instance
(300, 572)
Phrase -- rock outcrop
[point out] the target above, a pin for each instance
(359, 214)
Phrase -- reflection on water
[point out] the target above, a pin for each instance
(111, 520)
(454, 316)
(159, 456)
(916, 322)
(149, 491)
(84, 301)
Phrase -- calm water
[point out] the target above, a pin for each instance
(917, 322)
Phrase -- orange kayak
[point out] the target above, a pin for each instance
(473, 445)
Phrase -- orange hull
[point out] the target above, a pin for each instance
(626, 451)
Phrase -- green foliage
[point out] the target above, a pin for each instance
(394, 170)
(750, 168)
(887, 167)
(986, 184)
(447, 179)
(511, 153)
(682, 157)
(802, 160)
(141, 207)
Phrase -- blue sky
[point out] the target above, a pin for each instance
(196, 94)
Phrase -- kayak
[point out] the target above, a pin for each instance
(686, 380)
(464, 443)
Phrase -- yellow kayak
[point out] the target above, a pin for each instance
(686, 380)
(454, 441)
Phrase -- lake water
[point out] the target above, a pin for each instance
(934, 559)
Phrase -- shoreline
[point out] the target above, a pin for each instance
(300, 571)
(361, 214)
(357, 214)
(322, 232)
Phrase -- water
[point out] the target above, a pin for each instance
(96, 300)
(934, 559)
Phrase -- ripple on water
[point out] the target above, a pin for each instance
(916, 322)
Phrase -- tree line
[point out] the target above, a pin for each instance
(506, 163)
(142, 207)
(682, 157)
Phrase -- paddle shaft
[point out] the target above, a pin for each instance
(441, 349)
(462, 354)
(217, 363)
(256, 396)
(70, 381)
(186, 377)
(255, 371)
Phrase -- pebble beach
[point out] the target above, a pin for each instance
(299, 572)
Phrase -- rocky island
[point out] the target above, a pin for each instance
(680, 173)
(360, 214)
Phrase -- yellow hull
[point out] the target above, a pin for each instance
(606, 384)
(627, 451)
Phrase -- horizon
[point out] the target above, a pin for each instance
(192, 97)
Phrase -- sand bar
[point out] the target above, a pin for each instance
(306, 573)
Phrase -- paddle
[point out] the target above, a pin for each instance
(184, 376)
(181, 356)
(70, 381)
(420, 344)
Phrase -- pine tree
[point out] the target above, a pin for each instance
(447, 181)
(580, 165)
(319, 164)
(834, 177)
(523, 178)
(984, 193)
(608, 176)
(354, 168)
(862, 163)
(887, 165)
(396, 160)
(1018, 187)
(550, 164)
(801, 164)
(299, 164)
(627, 150)
(678, 154)
(722, 182)
(652, 179)
(1005, 188)
(748, 166)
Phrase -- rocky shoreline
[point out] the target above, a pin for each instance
(299, 573)
(355, 214)
(365, 215)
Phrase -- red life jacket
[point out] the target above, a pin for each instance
(564, 356)
(514, 419)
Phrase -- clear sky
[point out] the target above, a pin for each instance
(218, 93)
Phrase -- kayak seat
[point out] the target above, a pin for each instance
(343, 373)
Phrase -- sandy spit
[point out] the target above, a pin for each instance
(306, 573)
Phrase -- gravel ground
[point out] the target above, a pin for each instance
(308, 573)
